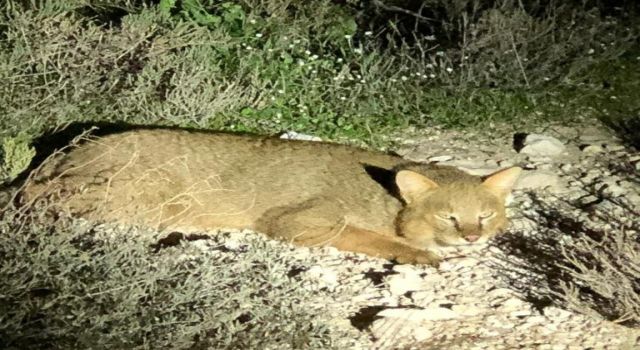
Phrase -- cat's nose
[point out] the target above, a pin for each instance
(472, 238)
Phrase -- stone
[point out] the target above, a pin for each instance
(323, 275)
(538, 179)
(615, 147)
(440, 158)
(592, 149)
(514, 304)
(566, 167)
(401, 283)
(542, 145)
(292, 135)
(556, 314)
(465, 263)
(416, 315)
(421, 334)
(468, 310)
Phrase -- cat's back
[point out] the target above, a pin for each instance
(166, 174)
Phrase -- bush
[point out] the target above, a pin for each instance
(269, 66)
(586, 262)
(16, 156)
(67, 284)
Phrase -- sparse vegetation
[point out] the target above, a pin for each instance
(70, 285)
(356, 70)
(588, 263)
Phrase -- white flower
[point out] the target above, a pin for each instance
(368, 33)
(362, 81)
(315, 57)
(347, 36)
(591, 51)
(314, 71)
(252, 21)
(430, 37)
(357, 50)
(429, 65)
(307, 52)
(249, 47)
(440, 53)
(343, 98)
(403, 78)
(432, 75)
(258, 35)
(297, 41)
(281, 91)
(449, 70)
(393, 80)
(339, 60)
(300, 62)
(291, 46)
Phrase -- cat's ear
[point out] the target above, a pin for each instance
(412, 184)
(501, 182)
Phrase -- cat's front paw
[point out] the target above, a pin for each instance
(415, 256)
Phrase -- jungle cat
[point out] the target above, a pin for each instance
(308, 193)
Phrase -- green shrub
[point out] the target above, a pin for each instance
(16, 156)
(269, 66)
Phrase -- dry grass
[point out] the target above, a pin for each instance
(69, 284)
(583, 258)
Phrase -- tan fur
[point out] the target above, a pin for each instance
(309, 193)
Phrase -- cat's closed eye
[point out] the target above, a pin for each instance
(448, 217)
(486, 215)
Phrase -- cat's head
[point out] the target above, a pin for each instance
(453, 213)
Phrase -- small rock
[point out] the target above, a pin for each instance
(537, 320)
(292, 135)
(465, 263)
(514, 304)
(405, 268)
(433, 278)
(592, 149)
(468, 310)
(530, 180)
(611, 188)
(446, 266)
(402, 283)
(440, 158)
(556, 314)
(615, 147)
(542, 145)
(326, 276)
(421, 334)
(427, 314)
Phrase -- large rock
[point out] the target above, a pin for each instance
(541, 146)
